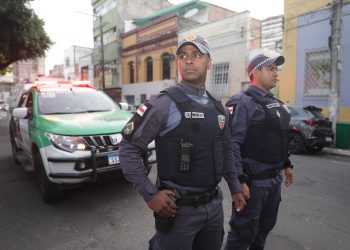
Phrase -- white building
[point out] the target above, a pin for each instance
(72, 55)
(272, 33)
(28, 70)
(230, 40)
(86, 68)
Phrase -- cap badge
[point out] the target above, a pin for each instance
(191, 37)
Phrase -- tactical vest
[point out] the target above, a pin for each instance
(266, 140)
(202, 126)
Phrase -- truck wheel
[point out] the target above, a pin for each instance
(295, 143)
(49, 191)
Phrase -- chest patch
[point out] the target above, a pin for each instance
(195, 115)
(273, 105)
(221, 120)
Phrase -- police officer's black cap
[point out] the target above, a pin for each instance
(198, 41)
(262, 60)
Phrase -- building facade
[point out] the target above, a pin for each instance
(72, 56)
(272, 33)
(149, 58)
(230, 40)
(86, 69)
(109, 18)
(56, 71)
(149, 51)
(305, 77)
(27, 71)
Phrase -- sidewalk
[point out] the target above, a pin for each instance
(337, 151)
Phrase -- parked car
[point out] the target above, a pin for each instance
(68, 133)
(309, 130)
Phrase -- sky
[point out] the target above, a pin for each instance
(69, 22)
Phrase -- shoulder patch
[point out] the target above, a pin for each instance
(135, 121)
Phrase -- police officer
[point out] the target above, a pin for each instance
(259, 124)
(194, 151)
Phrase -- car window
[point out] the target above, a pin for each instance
(74, 100)
(22, 101)
(297, 111)
(29, 102)
(316, 113)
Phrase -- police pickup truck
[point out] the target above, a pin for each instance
(68, 133)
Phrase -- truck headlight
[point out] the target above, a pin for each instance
(66, 143)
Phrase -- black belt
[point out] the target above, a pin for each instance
(197, 199)
(267, 174)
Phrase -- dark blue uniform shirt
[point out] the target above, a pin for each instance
(162, 118)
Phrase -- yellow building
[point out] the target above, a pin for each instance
(149, 52)
(306, 30)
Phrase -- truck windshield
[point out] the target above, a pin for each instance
(74, 100)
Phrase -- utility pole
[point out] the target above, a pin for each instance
(333, 103)
(102, 55)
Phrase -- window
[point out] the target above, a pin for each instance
(143, 98)
(166, 60)
(317, 73)
(104, 8)
(97, 42)
(220, 79)
(67, 61)
(109, 36)
(131, 72)
(74, 100)
(29, 105)
(97, 70)
(149, 69)
(130, 99)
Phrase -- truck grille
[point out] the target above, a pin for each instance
(103, 141)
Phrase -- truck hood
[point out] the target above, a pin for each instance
(84, 124)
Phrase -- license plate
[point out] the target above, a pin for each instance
(328, 139)
(113, 159)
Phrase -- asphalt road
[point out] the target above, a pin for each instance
(110, 214)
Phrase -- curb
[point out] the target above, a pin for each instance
(337, 151)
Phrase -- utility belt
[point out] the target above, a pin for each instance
(191, 198)
(197, 199)
(164, 224)
(266, 174)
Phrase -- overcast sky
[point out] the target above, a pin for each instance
(66, 24)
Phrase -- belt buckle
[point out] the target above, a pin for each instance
(196, 201)
(208, 197)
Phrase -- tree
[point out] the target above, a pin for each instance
(22, 34)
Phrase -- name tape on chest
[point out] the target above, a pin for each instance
(195, 115)
(273, 105)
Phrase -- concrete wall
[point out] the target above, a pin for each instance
(148, 88)
(73, 54)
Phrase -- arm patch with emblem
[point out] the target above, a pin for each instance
(135, 121)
